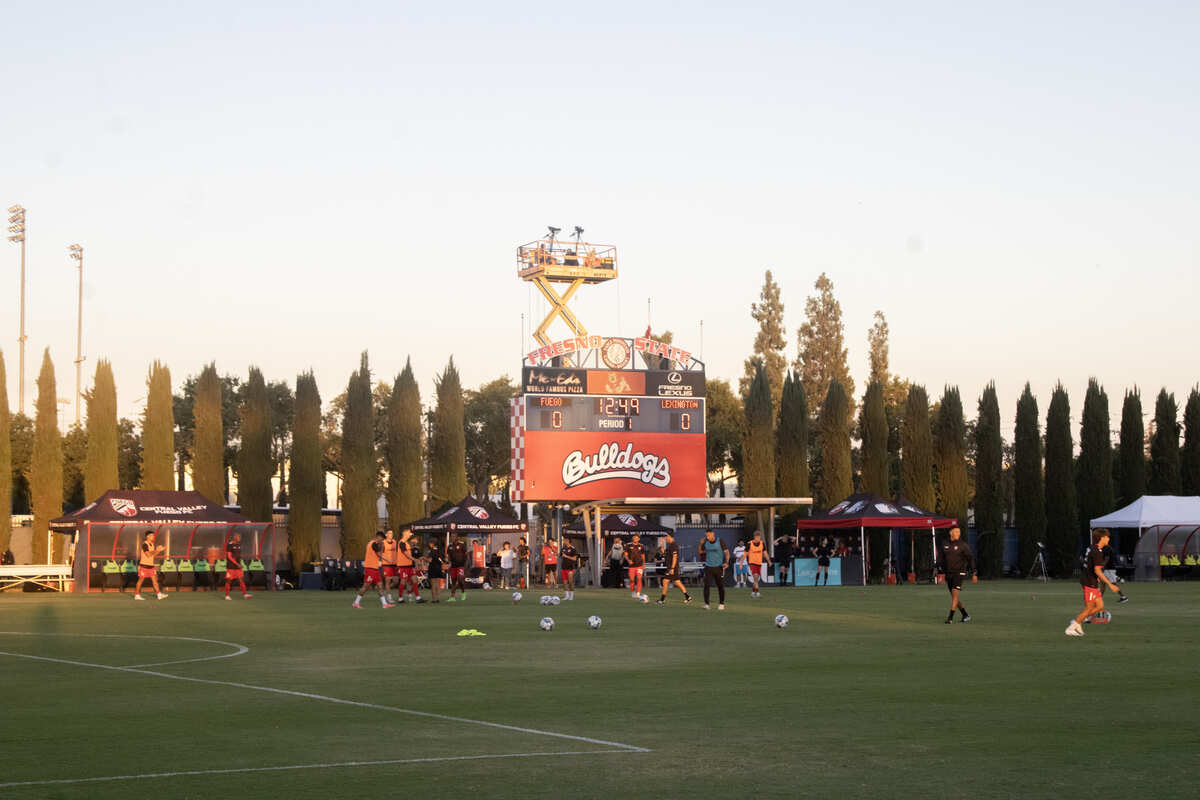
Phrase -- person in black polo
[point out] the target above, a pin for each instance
(671, 575)
(957, 558)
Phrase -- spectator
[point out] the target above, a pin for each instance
(8, 557)
(508, 558)
(522, 563)
(783, 557)
(616, 559)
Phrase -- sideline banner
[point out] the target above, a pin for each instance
(804, 572)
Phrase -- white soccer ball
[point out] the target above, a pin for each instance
(487, 586)
(516, 597)
(555, 600)
(644, 598)
(545, 600)
(781, 621)
(593, 622)
(546, 624)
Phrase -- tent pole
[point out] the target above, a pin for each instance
(597, 567)
(887, 570)
(862, 545)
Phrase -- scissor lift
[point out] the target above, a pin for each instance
(548, 261)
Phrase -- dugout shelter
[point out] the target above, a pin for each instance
(108, 532)
(1168, 529)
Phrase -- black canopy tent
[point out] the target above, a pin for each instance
(470, 517)
(865, 510)
(621, 525)
(188, 524)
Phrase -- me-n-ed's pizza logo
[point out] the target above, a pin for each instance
(478, 512)
(615, 353)
(126, 508)
(610, 461)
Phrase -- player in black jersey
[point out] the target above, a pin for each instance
(568, 558)
(1093, 575)
(671, 571)
(958, 561)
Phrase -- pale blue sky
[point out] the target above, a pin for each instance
(1016, 188)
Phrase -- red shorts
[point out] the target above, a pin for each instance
(233, 574)
(406, 573)
(455, 572)
(371, 575)
(1091, 594)
(567, 573)
(637, 572)
(146, 572)
(389, 570)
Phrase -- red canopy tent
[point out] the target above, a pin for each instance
(866, 510)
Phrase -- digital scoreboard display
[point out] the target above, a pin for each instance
(593, 434)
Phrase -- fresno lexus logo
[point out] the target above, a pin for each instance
(674, 378)
(126, 508)
(610, 461)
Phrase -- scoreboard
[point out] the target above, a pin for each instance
(593, 434)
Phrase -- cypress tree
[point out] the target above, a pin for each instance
(1133, 448)
(989, 495)
(405, 495)
(100, 474)
(74, 450)
(448, 450)
(950, 457)
(255, 465)
(791, 444)
(769, 342)
(1164, 447)
(46, 469)
(821, 349)
(208, 438)
(359, 465)
(758, 446)
(6, 465)
(308, 480)
(1061, 530)
(158, 431)
(1189, 458)
(1030, 500)
(916, 451)
(836, 480)
(874, 430)
(1094, 484)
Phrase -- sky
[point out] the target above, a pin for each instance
(289, 185)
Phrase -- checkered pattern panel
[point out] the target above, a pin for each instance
(517, 432)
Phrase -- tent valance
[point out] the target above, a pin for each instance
(622, 525)
(469, 516)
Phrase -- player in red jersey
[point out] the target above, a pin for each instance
(233, 565)
(146, 567)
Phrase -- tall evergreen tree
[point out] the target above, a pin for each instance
(1189, 457)
(1061, 525)
(360, 490)
(308, 479)
(1164, 447)
(255, 465)
(834, 437)
(6, 460)
(405, 462)
(1094, 482)
(791, 442)
(916, 450)
(46, 480)
(448, 449)
(769, 342)
(101, 473)
(1133, 448)
(758, 447)
(950, 457)
(74, 451)
(158, 431)
(877, 350)
(989, 494)
(873, 428)
(821, 356)
(1030, 498)
(129, 454)
(208, 437)
(724, 423)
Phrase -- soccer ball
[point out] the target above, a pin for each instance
(555, 600)
(516, 598)
(546, 624)
(644, 598)
(781, 621)
(593, 622)
(545, 600)
(487, 586)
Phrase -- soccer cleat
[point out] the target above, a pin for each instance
(949, 620)
(1123, 598)
(1074, 629)
(660, 601)
(386, 606)
(247, 595)
(687, 600)
(160, 596)
(356, 605)
(706, 608)
(138, 597)
(227, 597)
(449, 599)
(966, 618)
(721, 607)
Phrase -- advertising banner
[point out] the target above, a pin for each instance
(616, 382)
(804, 572)
(595, 466)
(536, 380)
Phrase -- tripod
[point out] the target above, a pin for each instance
(1039, 563)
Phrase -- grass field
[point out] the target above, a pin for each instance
(867, 692)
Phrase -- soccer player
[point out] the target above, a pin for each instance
(569, 563)
(635, 557)
(958, 561)
(821, 553)
(757, 555)
(371, 573)
(436, 570)
(456, 555)
(1093, 575)
(387, 565)
(671, 571)
(146, 568)
(406, 567)
(716, 561)
(234, 566)
(550, 562)
(741, 567)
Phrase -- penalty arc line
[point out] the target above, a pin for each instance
(338, 700)
(289, 767)
(238, 649)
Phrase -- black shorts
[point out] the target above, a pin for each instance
(436, 572)
(671, 576)
(822, 562)
(954, 580)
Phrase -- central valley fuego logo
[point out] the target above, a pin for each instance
(610, 461)
(126, 508)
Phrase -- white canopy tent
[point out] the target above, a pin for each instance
(1171, 521)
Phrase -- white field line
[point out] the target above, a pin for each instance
(238, 649)
(337, 700)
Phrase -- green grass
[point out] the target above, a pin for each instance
(865, 693)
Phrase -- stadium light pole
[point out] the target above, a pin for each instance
(77, 255)
(16, 233)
